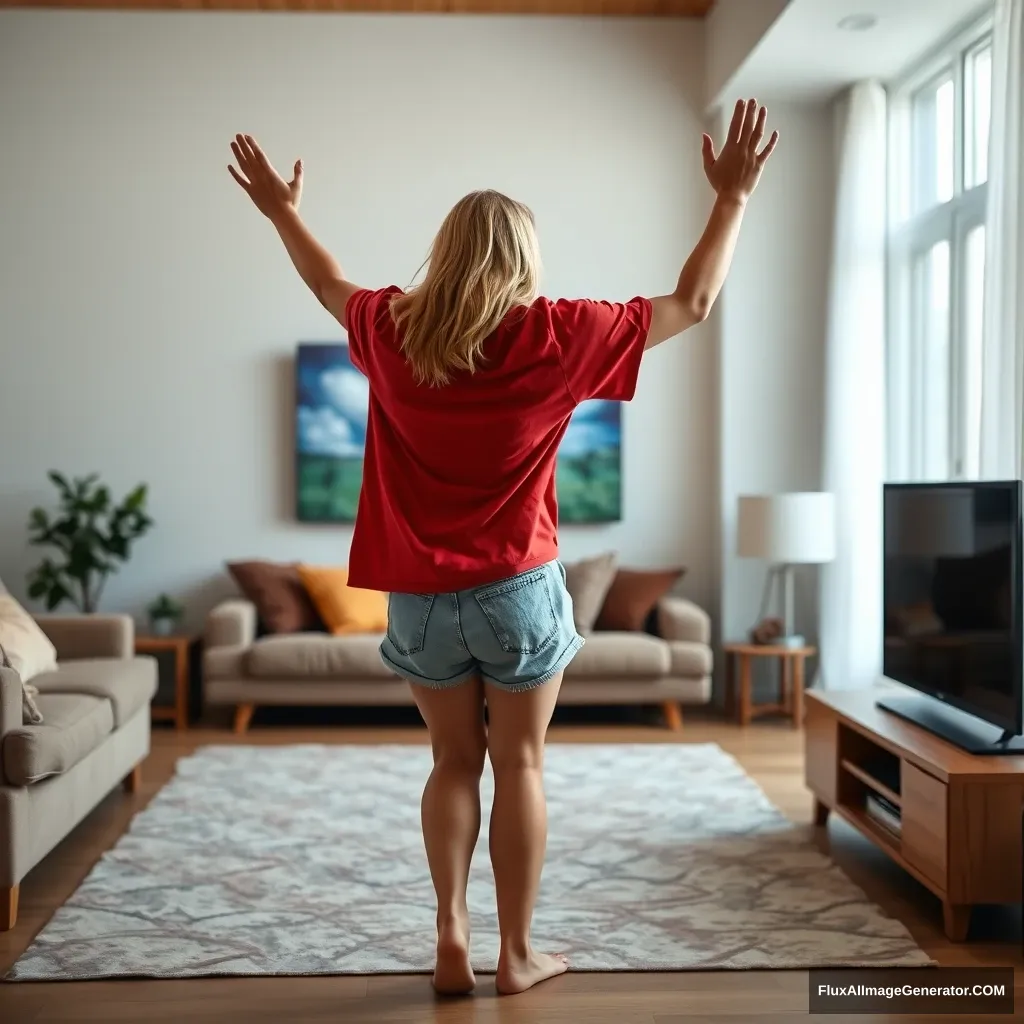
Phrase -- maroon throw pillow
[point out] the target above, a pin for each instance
(633, 596)
(283, 604)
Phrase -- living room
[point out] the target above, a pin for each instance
(722, 534)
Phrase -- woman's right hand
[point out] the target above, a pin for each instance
(736, 170)
(270, 193)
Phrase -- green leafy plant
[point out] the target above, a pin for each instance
(165, 607)
(92, 536)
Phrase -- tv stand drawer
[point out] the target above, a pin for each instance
(924, 834)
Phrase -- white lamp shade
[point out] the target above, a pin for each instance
(787, 528)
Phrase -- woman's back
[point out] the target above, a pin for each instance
(459, 480)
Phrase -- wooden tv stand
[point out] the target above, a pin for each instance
(960, 814)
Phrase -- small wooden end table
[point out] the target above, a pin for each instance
(173, 655)
(738, 659)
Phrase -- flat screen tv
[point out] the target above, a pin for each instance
(953, 611)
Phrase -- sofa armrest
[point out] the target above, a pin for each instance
(10, 703)
(231, 624)
(679, 619)
(89, 636)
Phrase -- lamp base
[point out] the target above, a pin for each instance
(790, 642)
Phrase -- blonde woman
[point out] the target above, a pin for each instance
(473, 379)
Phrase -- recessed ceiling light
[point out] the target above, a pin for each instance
(858, 23)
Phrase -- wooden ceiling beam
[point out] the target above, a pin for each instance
(580, 8)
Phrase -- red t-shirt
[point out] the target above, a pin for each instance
(459, 481)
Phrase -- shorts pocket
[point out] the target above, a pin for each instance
(407, 621)
(521, 612)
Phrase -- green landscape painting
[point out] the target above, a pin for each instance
(332, 401)
(589, 473)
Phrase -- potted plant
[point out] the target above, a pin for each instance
(91, 537)
(164, 615)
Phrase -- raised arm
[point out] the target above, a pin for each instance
(278, 201)
(733, 174)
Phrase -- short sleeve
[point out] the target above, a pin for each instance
(601, 345)
(362, 313)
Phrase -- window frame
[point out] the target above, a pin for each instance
(911, 235)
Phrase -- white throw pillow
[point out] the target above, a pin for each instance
(27, 647)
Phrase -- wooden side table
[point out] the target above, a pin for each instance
(738, 659)
(172, 655)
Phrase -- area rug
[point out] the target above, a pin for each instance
(308, 860)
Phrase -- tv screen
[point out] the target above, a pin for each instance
(952, 595)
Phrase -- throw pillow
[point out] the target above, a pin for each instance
(588, 583)
(28, 647)
(282, 603)
(633, 596)
(30, 713)
(344, 609)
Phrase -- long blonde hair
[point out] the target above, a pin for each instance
(483, 262)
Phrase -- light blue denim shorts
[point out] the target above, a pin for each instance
(517, 633)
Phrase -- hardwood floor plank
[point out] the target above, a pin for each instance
(771, 753)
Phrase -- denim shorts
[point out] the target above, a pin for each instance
(517, 633)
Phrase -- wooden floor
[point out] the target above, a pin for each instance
(770, 753)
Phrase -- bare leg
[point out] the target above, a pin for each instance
(518, 725)
(451, 819)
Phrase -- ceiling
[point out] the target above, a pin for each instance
(608, 8)
(804, 55)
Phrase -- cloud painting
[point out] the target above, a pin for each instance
(332, 401)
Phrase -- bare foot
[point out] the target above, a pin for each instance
(518, 974)
(453, 975)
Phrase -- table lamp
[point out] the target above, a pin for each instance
(786, 530)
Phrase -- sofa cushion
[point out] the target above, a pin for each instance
(316, 656)
(588, 582)
(620, 656)
(632, 597)
(282, 604)
(128, 683)
(74, 724)
(28, 648)
(689, 660)
(345, 610)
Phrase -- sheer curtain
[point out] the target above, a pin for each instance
(850, 628)
(1002, 397)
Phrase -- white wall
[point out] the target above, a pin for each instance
(149, 316)
(734, 30)
(772, 319)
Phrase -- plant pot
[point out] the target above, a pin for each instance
(162, 627)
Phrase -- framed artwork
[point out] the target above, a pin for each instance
(588, 476)
(332, 402)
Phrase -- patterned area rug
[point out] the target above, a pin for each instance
(308, 860)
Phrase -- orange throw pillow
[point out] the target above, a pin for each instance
(344, 609)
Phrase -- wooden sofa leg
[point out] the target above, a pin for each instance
(8, 907)
(133, 780)
(673, 715)
(243, 716)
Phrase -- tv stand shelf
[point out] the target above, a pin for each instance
(958, 814)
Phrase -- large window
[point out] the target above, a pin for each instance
(939, 140)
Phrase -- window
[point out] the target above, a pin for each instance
(939, 143)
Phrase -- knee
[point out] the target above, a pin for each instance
(516, 757)
(464, 759)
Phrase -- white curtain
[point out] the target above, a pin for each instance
(1002, 398)
(850, 627)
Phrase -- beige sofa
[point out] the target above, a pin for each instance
(247, 671)
(94, 734)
